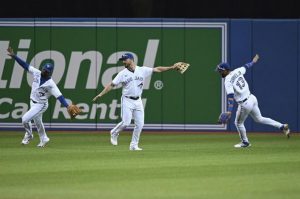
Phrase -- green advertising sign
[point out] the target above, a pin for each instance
(85, 54)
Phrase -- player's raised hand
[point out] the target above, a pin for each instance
(255, 59)
(10, 51)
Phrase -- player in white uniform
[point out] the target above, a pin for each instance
(42, 88)
(132, 79)
(237, 89)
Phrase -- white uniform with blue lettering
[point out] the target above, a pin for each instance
(236, 84)
(131, 102)
(39, 102)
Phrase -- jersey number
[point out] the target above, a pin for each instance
(240, 83)
(41, 94)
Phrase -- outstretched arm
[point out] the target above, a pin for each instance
(18, 59)
(104, 91)
(160, 69)
(63, 101)
(254, 60)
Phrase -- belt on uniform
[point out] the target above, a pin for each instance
(133, 98)
(242, 101)
(34, 101)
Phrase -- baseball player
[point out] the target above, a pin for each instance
(132, 79)
(237, 89)
(41, 89)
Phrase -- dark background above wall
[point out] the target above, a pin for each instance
(152, 8)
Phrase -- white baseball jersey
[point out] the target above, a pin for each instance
(236, 84)
(41, 93)
(132, 82)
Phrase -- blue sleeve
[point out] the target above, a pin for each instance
(230, 101)
(248, 65)
(63, 101)
(21, 62)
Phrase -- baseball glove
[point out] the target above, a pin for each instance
(181, 66)
(224, 118)
(73, 110)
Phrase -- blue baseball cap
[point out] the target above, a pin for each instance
(126, 56)
(49, 68)
(223, 66)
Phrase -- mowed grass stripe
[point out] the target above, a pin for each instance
(83, 165)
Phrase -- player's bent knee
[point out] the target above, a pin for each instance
(25, 120)
(140, 123)
(258, 119)
(125, 125)
(238, 124)
(139, 127)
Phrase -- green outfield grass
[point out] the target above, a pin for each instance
(175, 166)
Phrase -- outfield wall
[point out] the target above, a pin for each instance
(85, 53)
(275, 79)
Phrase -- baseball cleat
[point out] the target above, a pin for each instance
(113, 139)
(27, 138)
(135, 148)
(286, 130)
(242, 145)
(43, 142)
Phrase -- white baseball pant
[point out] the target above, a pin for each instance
(35, 113)
(131, 109)
(250, 107)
